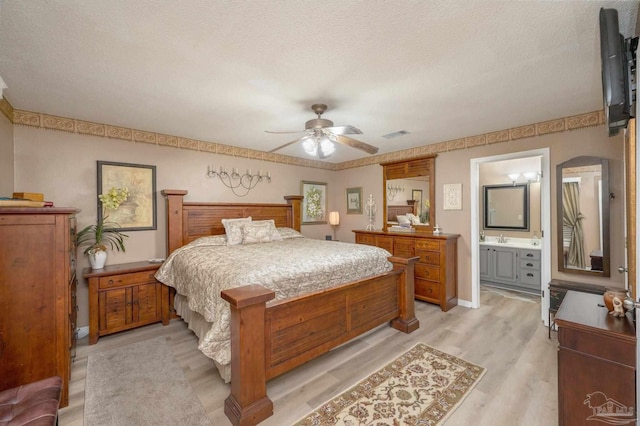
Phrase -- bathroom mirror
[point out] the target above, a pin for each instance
(506, 207)
(409, 187)
(582, 193)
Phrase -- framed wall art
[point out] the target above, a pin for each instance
(138, 212)
(314, 204)
(354, 200)
(452, 196)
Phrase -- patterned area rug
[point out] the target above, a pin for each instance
(421, 387)
(140, 384)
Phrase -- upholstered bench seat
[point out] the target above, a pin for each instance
(35, 404)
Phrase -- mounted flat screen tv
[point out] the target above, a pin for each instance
(618, 69)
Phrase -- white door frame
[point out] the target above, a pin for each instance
(545, 212)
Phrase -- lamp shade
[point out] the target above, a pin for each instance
(334, 218)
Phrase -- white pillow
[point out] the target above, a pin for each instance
(403, 220)
(233, 229)
(274, 235)
(287, 233)
(415, 220)
(253, 233)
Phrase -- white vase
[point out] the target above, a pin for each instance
(97, 259)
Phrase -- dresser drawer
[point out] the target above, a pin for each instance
(529, 264)
(530, 277)
(429, 257)
(403, 247)
(427, 290)
(427, 244)
(126, 279)
(427, 272)
(366, 239)
(385, 243)
(529, 254)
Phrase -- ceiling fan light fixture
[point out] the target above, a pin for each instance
(310, 146)
(326, 146)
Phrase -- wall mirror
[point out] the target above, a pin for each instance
(409, 187)
(582, 191)
(506, 207)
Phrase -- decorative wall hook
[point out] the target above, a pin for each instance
(240, 184)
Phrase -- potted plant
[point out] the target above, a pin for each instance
(104, 233)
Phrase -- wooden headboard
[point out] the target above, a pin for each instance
(394, 211)
(191, 220)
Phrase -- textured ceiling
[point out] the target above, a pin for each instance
(225, 72)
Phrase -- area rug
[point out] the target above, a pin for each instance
(421, 387)
(140, 384)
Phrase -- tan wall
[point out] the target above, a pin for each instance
(63, 166)
(6, 157)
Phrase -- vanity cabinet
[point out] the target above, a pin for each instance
(436, 271)
(510, 267)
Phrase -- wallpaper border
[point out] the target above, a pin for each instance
(51, 122)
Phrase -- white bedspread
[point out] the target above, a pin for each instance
(203, 268)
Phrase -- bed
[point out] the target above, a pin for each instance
(271, 333)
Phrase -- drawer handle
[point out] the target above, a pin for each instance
(110, 282)
(530, 274)
(529, 255)
(430, 290)
(529, 264)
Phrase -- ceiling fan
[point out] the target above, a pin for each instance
(321, 134)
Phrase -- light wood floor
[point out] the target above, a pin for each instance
(505, 336)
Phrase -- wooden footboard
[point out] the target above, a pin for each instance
(268, 341)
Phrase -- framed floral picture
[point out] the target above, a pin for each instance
(354, 200)
(138, 211)
(314, 204)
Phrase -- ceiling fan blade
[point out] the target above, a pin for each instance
(345, 140)
(286, 144)
(282, 133)
(343, 130)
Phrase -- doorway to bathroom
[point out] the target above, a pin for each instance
(511, 212)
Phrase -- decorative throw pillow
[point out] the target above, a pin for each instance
(233, 229)
(253, 233)
(274, 235)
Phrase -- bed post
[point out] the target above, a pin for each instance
(406, 321)
(174, 199)
(295, 201)
(248, 403)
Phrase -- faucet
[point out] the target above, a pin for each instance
(502, 239)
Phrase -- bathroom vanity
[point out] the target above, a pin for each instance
(514, 265)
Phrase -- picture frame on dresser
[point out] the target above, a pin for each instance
(314, 204)
(138, 212)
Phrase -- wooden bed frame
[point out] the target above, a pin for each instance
(267, 341)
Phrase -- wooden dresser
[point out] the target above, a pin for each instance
(37, 295)
(596, 363)
(436, 272)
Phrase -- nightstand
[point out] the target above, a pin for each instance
(125, 296)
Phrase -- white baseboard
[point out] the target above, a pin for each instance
(465, 303)
(82, 332)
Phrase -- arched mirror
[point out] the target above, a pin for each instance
(582, 191)
(409, 189)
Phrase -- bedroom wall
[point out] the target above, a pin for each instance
(6, 157)
(63, 166)
(66, 174)
(454, 167)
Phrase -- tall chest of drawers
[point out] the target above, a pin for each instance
(37, 295)
(436, 271)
